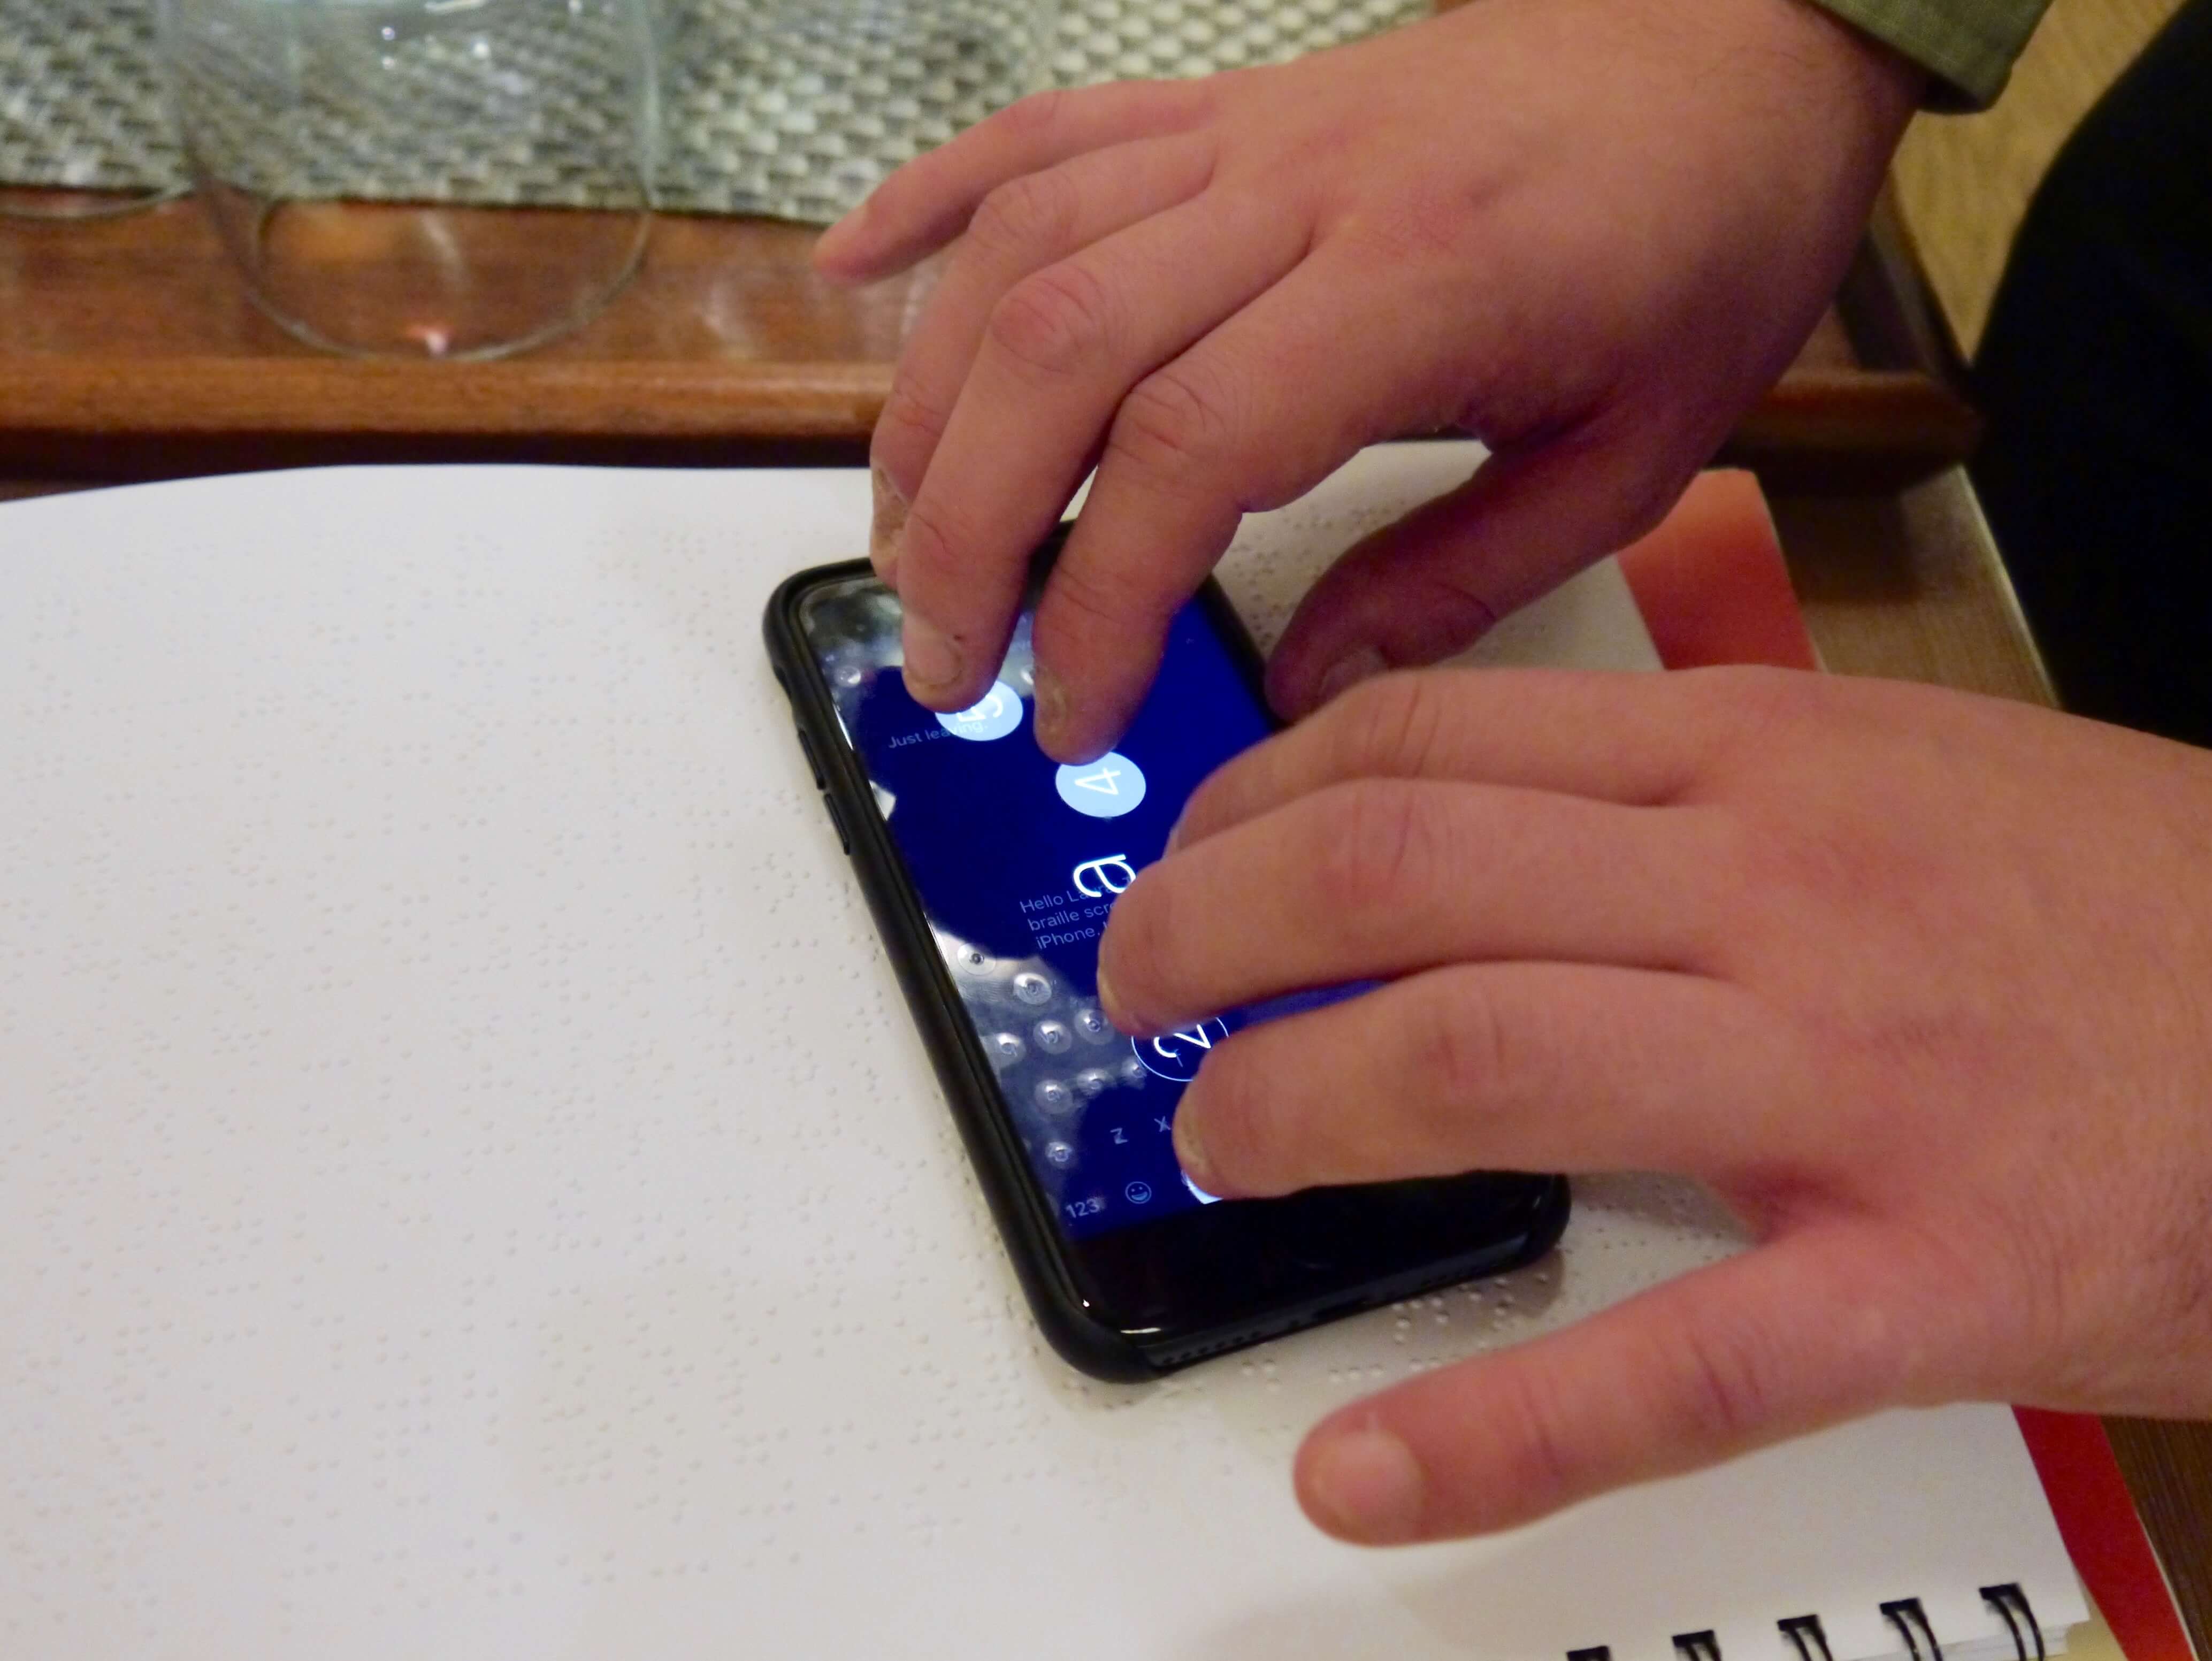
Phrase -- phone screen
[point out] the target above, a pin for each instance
(1017, 861)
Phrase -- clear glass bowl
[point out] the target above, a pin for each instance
(440, 179)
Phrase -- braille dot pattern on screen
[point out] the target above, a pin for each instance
(465, 1166)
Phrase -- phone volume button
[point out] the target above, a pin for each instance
(838, 819)
(813, 764)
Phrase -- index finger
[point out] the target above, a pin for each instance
(929, 201)
(1629, 739)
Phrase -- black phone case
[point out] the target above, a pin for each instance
(1039, 1251)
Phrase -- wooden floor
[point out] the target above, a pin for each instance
(1963, 182)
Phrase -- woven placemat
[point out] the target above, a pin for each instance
(789, 107)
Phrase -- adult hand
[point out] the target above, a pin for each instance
(1591, 232)
(1920, 983)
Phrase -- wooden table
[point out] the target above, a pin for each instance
(129, 349)
(128, 352)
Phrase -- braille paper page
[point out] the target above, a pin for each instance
(469, 1184)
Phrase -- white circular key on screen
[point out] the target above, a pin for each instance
(994, 715)
(1178, 1055)
(1105, 788)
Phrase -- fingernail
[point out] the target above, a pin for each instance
(883, 528)
(1365, 1485)
(932, 661)
(1347, 671)
(1191, 1151)
(1112, 1005)
(1051, 707)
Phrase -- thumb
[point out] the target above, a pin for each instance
(1434, 581)
(1784, 1339)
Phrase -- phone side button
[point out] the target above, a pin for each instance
(838, 819)
(807, 745)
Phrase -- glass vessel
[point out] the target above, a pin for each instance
(440, 179)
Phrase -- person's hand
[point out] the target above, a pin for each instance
(1920, 983)
(1591, 232)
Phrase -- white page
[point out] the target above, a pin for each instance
(470, 1186)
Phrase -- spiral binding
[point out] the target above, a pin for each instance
(1905, 1614)
(2011, 1602)
(1911, 1621)
(1804, 1631)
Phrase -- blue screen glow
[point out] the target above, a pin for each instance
(1017, 861)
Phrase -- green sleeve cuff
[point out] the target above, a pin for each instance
(1967, 45)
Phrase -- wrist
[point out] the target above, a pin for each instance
(1964, 49)
(1823, 46)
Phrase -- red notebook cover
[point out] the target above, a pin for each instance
(1712, 587)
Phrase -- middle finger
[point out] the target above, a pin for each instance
(1060, 351)
(1385, 876)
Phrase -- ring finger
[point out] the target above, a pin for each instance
(1024, 226)
(1520, 1067)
